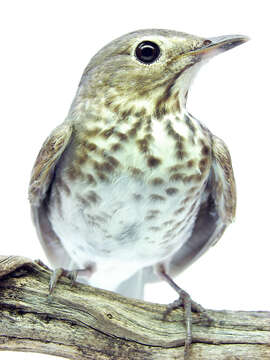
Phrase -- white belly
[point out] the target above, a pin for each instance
(124, 228)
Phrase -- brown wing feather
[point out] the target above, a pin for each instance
(46, 161)
(216, 212)
(224, 184)
(41, 178)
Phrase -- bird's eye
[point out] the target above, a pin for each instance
(147, 52)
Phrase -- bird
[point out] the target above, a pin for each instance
(131, 188)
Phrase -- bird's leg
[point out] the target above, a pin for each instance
(71, 274)
(188, 304)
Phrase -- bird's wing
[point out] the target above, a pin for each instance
(217, 211)
(41, 177)
(46, 161)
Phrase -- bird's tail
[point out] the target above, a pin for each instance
(133, 287)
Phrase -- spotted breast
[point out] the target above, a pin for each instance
(129, 197)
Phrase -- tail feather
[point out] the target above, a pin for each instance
(133, 287)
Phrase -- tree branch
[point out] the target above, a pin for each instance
(82, 322)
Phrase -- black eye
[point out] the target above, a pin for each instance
(147, 52)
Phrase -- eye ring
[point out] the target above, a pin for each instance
(147, 52)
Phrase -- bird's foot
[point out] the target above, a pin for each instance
(57, 274)
(188, 305)
(71, 274)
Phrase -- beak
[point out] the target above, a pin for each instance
(214, 46)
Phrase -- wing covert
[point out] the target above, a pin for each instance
(46, 161)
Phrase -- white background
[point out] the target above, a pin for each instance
(45, 46)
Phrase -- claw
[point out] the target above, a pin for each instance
(57, 274)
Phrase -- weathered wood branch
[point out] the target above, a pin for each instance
(82, 322)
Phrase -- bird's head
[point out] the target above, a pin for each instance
(149, 69)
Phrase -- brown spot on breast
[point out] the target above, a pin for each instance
(157, 181)
(149, 217)
(108, 102)
(148, 124)
(74, 172)
(106, 167)
(171, 191)
(188, 179)
(96, 165)
(148, 128)
(153, 161)
(132, 132)
(102, 176)
(123, 137)
(107, 133)
(82, 200)
(152, 214)
(143, 145)
(190, 163)
(180, 154)
(193, 189)
(167, 223)
(82, 157)
(176, 105)
(113, 161)
(148, 119)
(203, 164)
(168, 234)
(93, 197)
(92, 132)
(91, 180)
(176, 177)
(178, 211)
(140, 113)
(160, 111)
(127, 113)
(116, 108)
(205, 150)
(154, 228)
(187, 199)
(175, 135)
(149, 137)
(115, 147)
(138, 124)
(163, 99)
(137, 196)
(190, 125)
(91, 146)
(156, 197)
(175, 168)
(135, 171)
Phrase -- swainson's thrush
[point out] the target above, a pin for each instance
(131, 186)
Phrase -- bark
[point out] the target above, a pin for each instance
(82, 322)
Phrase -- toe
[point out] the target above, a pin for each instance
(57, 273)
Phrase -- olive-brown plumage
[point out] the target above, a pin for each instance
(131, 185)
